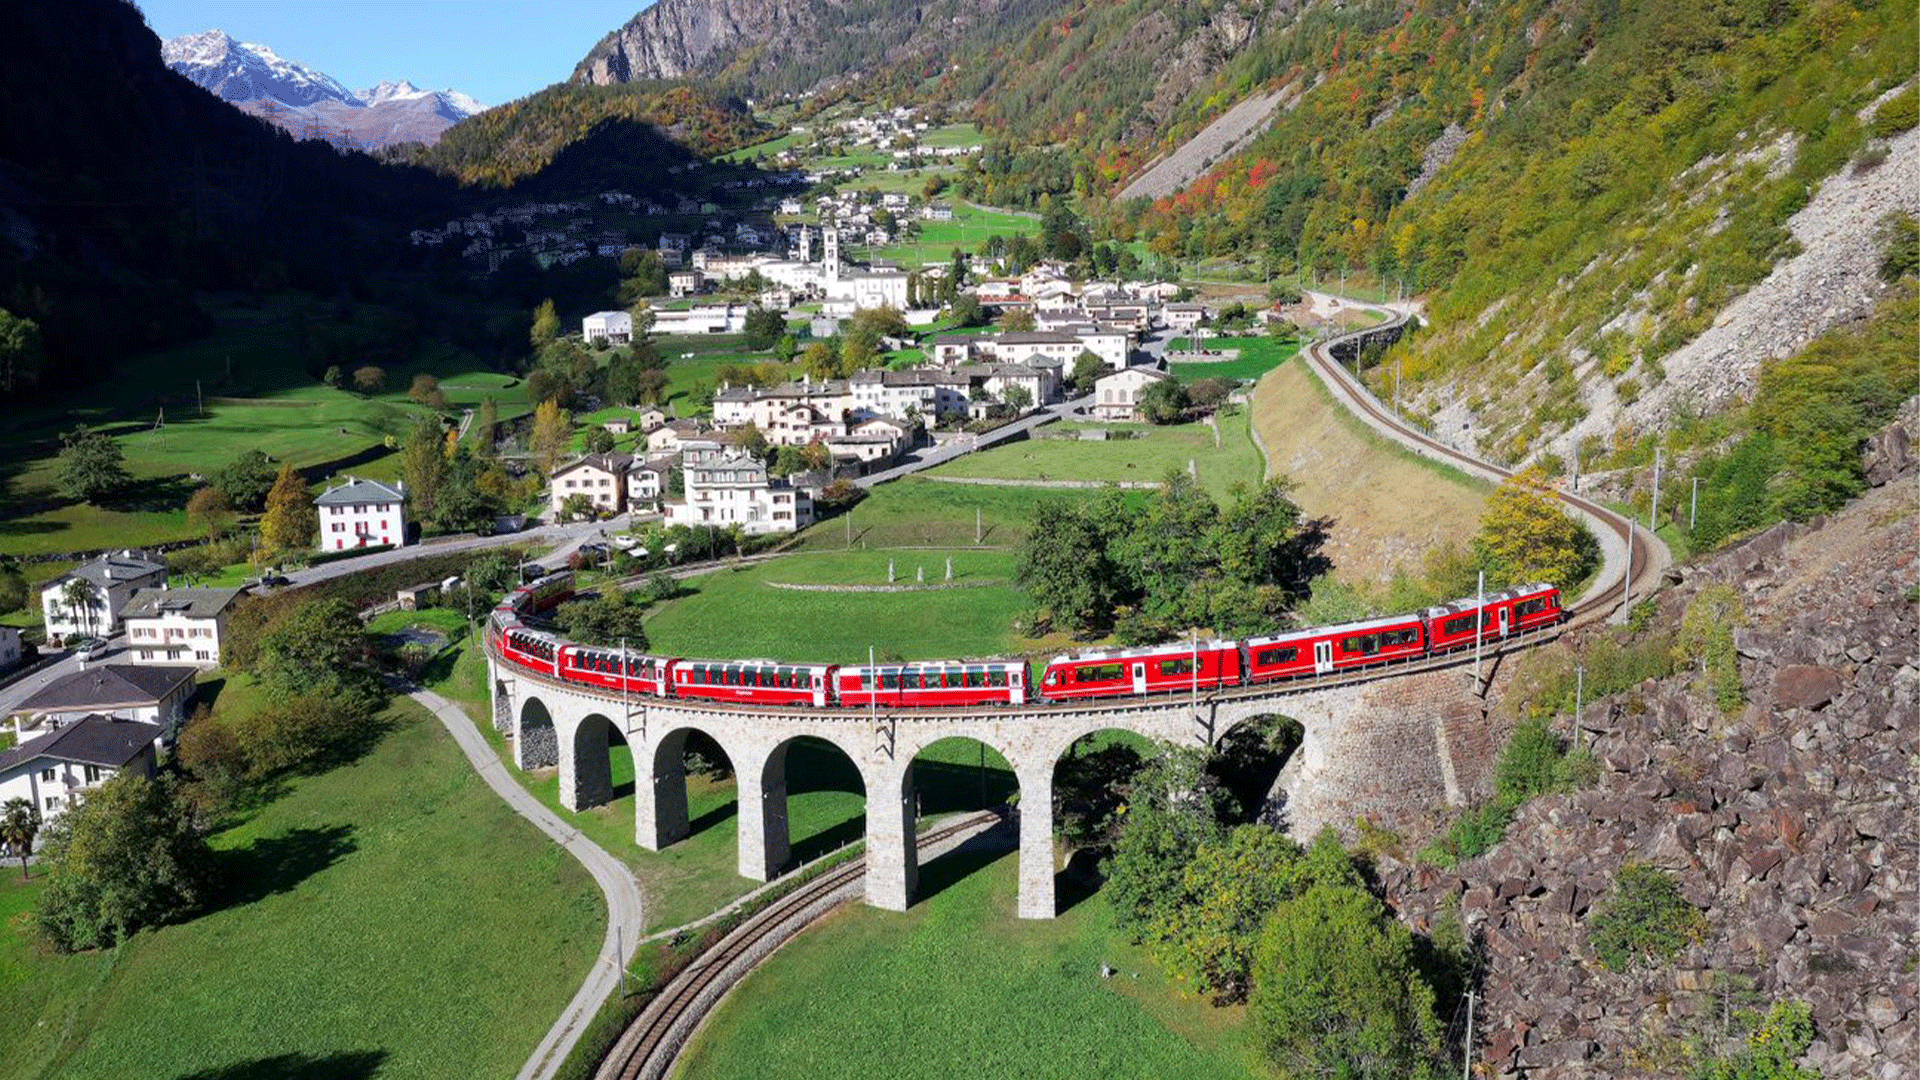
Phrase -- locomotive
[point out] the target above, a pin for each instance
(1096, 674)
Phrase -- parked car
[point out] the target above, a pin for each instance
(88, 648)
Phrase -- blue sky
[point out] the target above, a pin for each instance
(496, 50)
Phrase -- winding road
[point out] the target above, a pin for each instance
(626, 919)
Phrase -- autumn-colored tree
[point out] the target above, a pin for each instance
(487, 426)
(426, 391)
(423, 465)
(210, 509)
(370, 379)
(1525, 536)
(290, 521)
(552, 428)
(546, 325)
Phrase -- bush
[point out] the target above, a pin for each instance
(1772, 1048)
(1534, 762)
(1896, 114)
(1336, 993)
(1706, 640)
(1645, 921)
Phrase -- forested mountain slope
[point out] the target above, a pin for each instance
(1584, 188)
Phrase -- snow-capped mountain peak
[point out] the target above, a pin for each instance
(244, 71)
(404, 90)
(260, 81)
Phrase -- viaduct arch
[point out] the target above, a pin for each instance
(1393, 745)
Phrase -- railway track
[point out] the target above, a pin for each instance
(1645, 551)
(652, 1043)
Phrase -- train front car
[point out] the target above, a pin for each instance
(612, 669)
(1165, 668)
(532, 649)
(932, 684)
(1507, 612)
(759, 682)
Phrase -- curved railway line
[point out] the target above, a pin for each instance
(652, 1043)
(650, 1046)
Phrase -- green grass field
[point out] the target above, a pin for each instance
(1145, 458)
(826, 807)
(916, 512)
(388, 918)
(735, 613)
(1258, 355)
(241, 387)
(953, 135)
(959, 987)
(968, 231)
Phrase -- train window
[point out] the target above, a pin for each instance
(1052, 679)
(1277, 656)
(1461, 625)
(1531, 607)
(1361, 643)
(1098, 673)
(890, 679)
(1182, 666)
(996, 678)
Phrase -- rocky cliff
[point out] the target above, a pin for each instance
(787, 44)
(1791, 825)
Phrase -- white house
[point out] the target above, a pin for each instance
(1117, 396)
(647, 481)
(1183, 316)
(684, 282)
(602, 478)
(177, 626)
(151, 693)
(613, 327)
(362, 513)
(666, 438)
(93, 607)
(56, 771)
(733, 488)
(703, 319)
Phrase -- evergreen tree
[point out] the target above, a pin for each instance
(290, 523)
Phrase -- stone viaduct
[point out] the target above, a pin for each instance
(1393, 745)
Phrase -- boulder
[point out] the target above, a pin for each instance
(1805, 686)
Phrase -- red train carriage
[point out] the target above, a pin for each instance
(1524, 607)
(933, 683)
(1119, 672)
(1322, 649)
(765, 682)
(632, 673)
(531, 649)
(544, 593)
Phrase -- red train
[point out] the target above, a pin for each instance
(1174, 667)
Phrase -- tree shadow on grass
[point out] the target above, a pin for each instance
(348, 1065)
(277, 864)
(829, 840)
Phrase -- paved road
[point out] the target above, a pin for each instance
(626, 919)
(568, 537)
(959, 445)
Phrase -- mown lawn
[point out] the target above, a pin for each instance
(917, 512)
(390, 918)
(826, 807)
(1145, 457)
(735, 613)
(968, 231)
(958, 986)
(1258, 355)
(241, 387)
